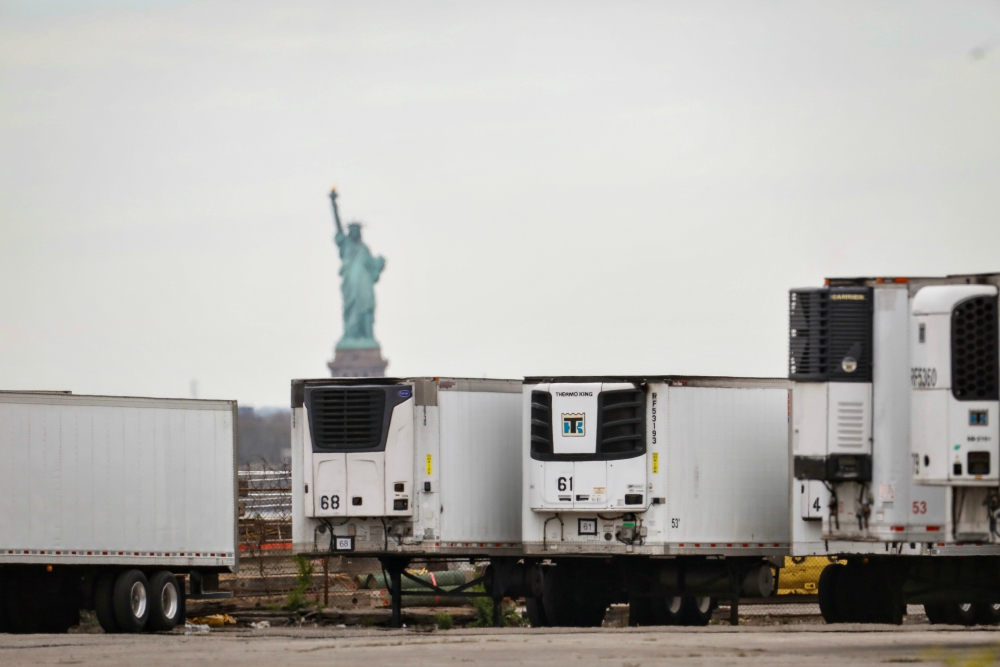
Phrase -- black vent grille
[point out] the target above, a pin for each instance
(808, 319)
(346, 419)
(541, 422)
(850, 342)
(622, 420)
(830, 334)
(974, 350)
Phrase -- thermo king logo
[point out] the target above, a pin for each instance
(573, 425)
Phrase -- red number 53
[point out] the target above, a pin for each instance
(920, 507)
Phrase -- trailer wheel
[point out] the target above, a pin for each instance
(696, 611)
(164, 602)
(936, 614)
(668, 610)
(104, 606)
(987, 613)
(131, 600)
(828, 580)
(961, 613)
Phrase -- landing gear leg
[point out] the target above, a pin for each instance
(394, 568)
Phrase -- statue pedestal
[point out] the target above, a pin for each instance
(357, 363)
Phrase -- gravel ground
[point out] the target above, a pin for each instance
(716, 645)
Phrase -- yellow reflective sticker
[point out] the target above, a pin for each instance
(656, 462)
(430, 464)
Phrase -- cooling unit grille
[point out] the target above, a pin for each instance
(808, 319)
(541, 422)
(346, 418)
(830, 334)
(974, 350)
(622, 422)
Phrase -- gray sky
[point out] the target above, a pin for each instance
(558, 187)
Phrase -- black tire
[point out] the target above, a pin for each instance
(987, 613)
(104, 606)
(960, 613)
(165, 610)
(668, 610)
(697, 611)
(131, 600)
(828, 588)
(936, 614)
(536, 612)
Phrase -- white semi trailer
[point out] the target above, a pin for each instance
(404, 468)
(665, 492)
(891, 474)
(107, 503)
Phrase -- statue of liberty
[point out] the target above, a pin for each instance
(359, 272)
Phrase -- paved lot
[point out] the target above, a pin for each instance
(798, 646)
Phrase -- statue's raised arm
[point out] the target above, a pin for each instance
(336, 213)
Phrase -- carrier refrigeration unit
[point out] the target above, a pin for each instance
(862, 491)
(400, 468)
(665, 492)
(109, 503)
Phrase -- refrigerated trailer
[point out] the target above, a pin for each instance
(663, 491)
(882, 477)
(109, 503)
(404, 468)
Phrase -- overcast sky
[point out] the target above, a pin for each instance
(561, 188)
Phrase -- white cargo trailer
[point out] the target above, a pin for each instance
(407, 467)
(862, 492)
(105, 500)
(663, 491)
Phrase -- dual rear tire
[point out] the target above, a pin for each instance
(127, 601)
(963, 613)
(687, 611)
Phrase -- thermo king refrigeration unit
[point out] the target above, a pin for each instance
(663, 491)
(862, 491)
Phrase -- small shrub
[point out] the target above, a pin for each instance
(303, 582)
(484, 612)
(443, 621)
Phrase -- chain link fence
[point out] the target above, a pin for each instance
(270, 578)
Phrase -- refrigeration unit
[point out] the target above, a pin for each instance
(873, 430)
(954, 425)
(408, 466)
(666, 491)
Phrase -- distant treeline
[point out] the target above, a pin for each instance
(264, 435)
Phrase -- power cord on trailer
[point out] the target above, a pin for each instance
(330, 527)
(864, 510)
(385, 530)
(545, 531)
(833, 506)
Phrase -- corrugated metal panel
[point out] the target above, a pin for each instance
(480, 466)
(728, 471)
(82, 473)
